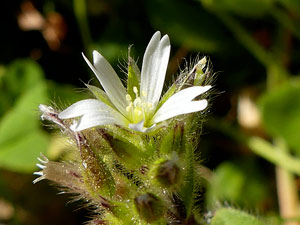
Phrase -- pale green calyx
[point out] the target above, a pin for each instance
(137, 108)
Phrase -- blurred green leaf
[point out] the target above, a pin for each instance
(280, 109)
(21, 139)
(230, 216)
(23, 118)
(22, 75)
(64, 95)
(227, 183)
(18, 77)
(292, 5)
(188, 25)
(21, 154)
(241, 184)
(245, 8)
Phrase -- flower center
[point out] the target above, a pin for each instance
(137, 109)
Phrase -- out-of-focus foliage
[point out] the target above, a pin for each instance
(240, 184)
(280, 113)
(186, 25)
(253, 45)
(22, 89)
(246, 8)
(234, 217)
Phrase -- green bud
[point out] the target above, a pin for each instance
(149, 207)
(200, 75)
(168, 173)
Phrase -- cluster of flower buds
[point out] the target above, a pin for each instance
(134, 160)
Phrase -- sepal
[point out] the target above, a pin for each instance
(134, 77)
(63, 173)
(150, 207)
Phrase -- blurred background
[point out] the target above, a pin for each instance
(251, 139)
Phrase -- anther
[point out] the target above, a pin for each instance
(128, 98)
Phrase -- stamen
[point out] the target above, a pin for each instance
(129, 107)
(135, 90)
(138, 112)
(137, 102)
(128, 98)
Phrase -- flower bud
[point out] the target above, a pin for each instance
(199, 72)
(149, 207)
(168, 173)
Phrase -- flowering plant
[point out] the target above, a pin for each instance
(135, 162)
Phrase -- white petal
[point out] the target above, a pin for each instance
(155, 63)
(189, 107)
(83, 107)
(181, 103)
(137, 126)
(94, 113)
(185, 95)
(97, 119)
(109, 81)
(140, 126)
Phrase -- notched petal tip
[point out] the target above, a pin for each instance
(165, 41)
(96, 56)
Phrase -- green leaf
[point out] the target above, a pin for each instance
(22, 75)
(292, 5)
(21, 154)
(23, 118)
(21, 139)
(240, 182)
(280, 110)
(229, 216)
(230, 175)
(16, 79)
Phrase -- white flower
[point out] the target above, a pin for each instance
(142, 112)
